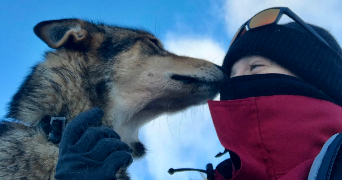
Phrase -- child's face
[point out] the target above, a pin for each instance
(257, 65)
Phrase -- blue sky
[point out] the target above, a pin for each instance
(201, 29)
(20, 48)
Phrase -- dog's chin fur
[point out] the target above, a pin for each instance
(129, 128)
(126, 72)
(139, 150)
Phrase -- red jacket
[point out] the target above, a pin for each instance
(275, 137)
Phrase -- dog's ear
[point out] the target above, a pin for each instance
(57, 33)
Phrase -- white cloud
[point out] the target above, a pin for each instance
(326, 14)
(183, 140)
(203, 48)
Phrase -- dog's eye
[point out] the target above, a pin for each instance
(154, 41)
(157, 43)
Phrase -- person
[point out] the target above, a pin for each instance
(279, 114)
(282, 101)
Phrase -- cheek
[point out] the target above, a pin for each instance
(240, 70)
(290, 73)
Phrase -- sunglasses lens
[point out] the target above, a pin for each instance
(263, 18)
(237, 32)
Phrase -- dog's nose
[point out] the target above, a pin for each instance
(224, 70)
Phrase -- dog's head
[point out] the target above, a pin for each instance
(127, 73)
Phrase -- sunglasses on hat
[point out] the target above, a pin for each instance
(272, 16)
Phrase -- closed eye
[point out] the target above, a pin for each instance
(254, 66)
(157, 43)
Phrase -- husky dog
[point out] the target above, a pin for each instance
(126, 72)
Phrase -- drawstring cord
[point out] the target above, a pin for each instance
(209, 171)
(209, 168)
(221, 153)
(172, 171)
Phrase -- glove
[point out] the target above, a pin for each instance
(88, 153)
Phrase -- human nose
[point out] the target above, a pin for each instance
(239, 72)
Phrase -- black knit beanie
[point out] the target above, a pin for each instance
(296, 49)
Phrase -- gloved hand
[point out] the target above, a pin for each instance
(88, 153)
